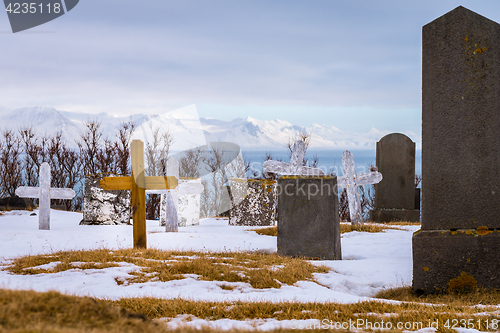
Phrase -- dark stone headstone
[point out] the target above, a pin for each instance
(253, 202)
(102, 207)
(308, 217)
(460, 153)
(16, 203)
(395, 194)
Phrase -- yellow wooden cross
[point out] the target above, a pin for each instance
(138, 183)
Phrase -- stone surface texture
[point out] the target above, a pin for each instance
(395, 194)
(102, 207)
(253, 202)
(460, 152)
(189, 205)
(308, 217)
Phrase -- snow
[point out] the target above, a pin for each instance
(371, 262)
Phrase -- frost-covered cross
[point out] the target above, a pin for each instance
(295, 166)
(138, 183)
(44, 193)
(351, 181)
(169, 202)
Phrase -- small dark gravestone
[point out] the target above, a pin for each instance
(253, 202)
(16, 203)
(308, 217)
(460, 236)
(102, 207)
(395, 194)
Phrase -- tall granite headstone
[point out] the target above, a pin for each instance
(460, 153)
(308, 217)
(395, 194)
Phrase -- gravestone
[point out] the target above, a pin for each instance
(44, 193)
(350, 181)
(169, 200)
(253, 202)
(138, 183)
(102, 207)
(308, 217)
(460, 153)
(395, 194)
(295, 166)
(189, 202)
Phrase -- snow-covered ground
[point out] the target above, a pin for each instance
(371, 261)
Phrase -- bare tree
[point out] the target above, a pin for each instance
(31, 157)
(189, 163)
(10, 152)
(122, 147)
(157, 151)
(89, 146)
(212, 196)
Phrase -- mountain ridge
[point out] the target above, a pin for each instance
(188, 130)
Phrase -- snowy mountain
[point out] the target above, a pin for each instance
(188, 130)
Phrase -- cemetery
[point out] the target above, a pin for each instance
(431, 251)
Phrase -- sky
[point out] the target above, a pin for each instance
(353, 64)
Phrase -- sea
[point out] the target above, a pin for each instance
(328, 160)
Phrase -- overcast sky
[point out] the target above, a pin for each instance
(354, 64)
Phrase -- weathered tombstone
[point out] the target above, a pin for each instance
(44, 193)
(189, 203)
(395, 194)
(138, 183)
(308, 217)
(460, 238)
(350, 181)
(102, 207)
(16, 203)
(179, 207)
(255, 202)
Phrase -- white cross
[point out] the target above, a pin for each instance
(295, 166)
(351, 181)
(169, 201)
(44, 193)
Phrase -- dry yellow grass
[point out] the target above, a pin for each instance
(28, 311)
(258, 269)
(345, 227)
(480, 296)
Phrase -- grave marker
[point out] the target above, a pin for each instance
(308, 217)
(44, 193)
(395, 194)
(256, 198)
(460, 153)
(295, 166)
(137, 183)
(350, 181)
(171, 210)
